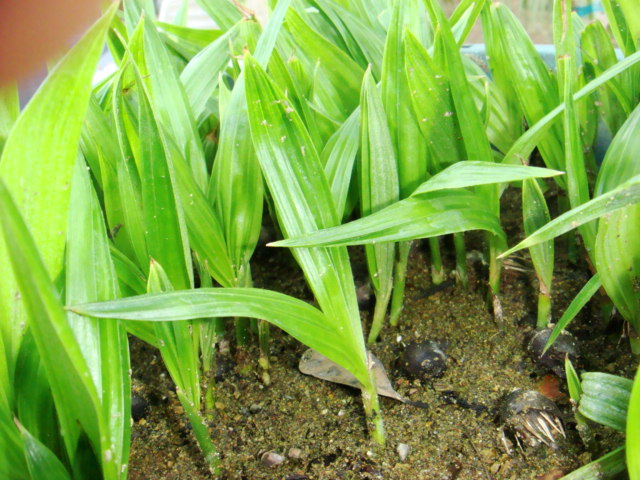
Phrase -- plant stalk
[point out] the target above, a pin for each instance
(379, 312)
(201, 432)
(437, 270)
(243, 324)
(544, 306)
(399, 281)
(372, 411)
(263, 339)
(461, 259)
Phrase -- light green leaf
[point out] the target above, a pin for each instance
(223, 12)
(169, 99)
(522, 148)
(338, 158)
(298, 318)
(37, 167)
(75, 395)
(605, 399)
(580, 300)
(535, 214)
(41, 461)
(573, 381)
(103, 344)
(338, 77)
(607, 466)
(407, 140)
(9, 111)
(625, 195)
(433, 106)
(303, 202)
(473, 173)
(424, 216)
(633, 432)
(200, 76)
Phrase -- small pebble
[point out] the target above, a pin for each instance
(294, 453)
(255, 408)
(272, 459)
(139, 407)
(403, 451)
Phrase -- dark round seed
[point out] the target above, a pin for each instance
(424, 360)
(553, 359)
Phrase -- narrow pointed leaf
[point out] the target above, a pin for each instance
(625, 195)
(429, 215)
(522, 148)
(37, 168)
(90, 276)
(633, 432)
(473, 173)
(378, 178)
(301, 320)
(73, 390)
(41, 461)
(303, 201)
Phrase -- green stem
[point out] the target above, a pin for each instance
(243, 324)
(201, 432)
(263, 339)
(372, 411)
(399, 281)
(461, 259)
(544, 307)
(437, 270)
(242, 331)
(495, 266)
(379, 312)
(209, 387)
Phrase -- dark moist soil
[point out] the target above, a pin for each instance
(322, 424)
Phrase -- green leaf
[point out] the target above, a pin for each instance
(617, 260)
(516, 58)
(473, 173)
(37, 167)
(165, 232)
(576, 182)
(338, 77)
(605, 399)
(303, 202)
(103, 344)
(338, 158)
(238, 197)
(169, 99)
(433, 106)
(9, 111)
(580, 300)
(408, 142)
(75, 395)
(424, 216)
(200, 76)
(598, 54)
(623, 196)
(607, 466)
(378, 178)
(620, 162)
(41, 461)
(522, 148)
(301, 320)
(573, 381)
(535, 214)
(127, 225)
(633, 432)
(379, 187)
(223, 12)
